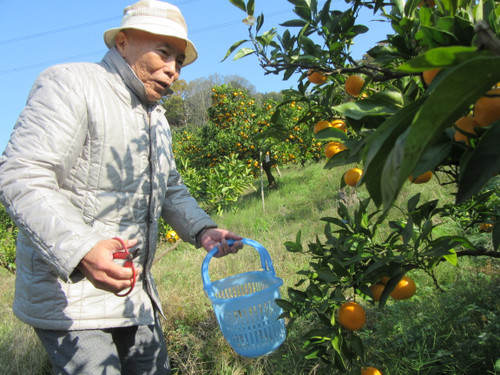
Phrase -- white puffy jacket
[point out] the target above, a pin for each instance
(90, 159)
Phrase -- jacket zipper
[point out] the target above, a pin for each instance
(150, 159)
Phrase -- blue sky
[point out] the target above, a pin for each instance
(36, 34)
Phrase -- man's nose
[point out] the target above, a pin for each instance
(171, 67)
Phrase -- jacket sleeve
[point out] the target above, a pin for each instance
(44, 145)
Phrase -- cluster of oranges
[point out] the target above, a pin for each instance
(172, 236)
(352, 316)
(353, 84)
(486, 111)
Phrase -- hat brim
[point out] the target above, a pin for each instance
(190, 54)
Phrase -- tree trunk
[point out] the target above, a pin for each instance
(266, 165)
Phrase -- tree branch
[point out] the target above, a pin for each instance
(480, 251)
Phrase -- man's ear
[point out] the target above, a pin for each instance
(121, 42)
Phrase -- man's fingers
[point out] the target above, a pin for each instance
(225, 249)
(127, 243)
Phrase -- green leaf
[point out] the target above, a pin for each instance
(285, 305)
(356, 30)
(296, 295)
(483, 163)
(336, 345)
(243, 52)
(233, 47)
(452, 258)
(327, 275)
(457, 89)
(439, 58)
(445, 245)
(260, 22)
(250, 7)
(413, 202)
(357, 346)
(433, 156)
(294, 23)
(331, 133)
(240, 4)
(378, 146)
(378, 104)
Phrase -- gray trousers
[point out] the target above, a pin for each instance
(135, 350)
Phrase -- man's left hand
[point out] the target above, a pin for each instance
(218, 237)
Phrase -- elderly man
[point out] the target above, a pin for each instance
(86, 175)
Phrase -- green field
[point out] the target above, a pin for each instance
(451, 328)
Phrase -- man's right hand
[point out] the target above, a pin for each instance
(98, 266)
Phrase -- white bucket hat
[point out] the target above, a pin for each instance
(155, 17)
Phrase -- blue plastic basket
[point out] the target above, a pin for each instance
(245, 306)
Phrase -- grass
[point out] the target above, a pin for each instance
(453, 331)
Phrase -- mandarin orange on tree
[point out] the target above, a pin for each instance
(352, 176)
(320, 125)
(377, 290)
(339, 124)
(384, 280)
(422, 179)
(316, 77)
(353, 84)
(333, 148)
(486, 227)
(352, 316)
(429, 75)
(487, 108)
(370, 371)
(467, 124)
(405, 289)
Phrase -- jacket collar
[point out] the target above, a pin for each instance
(130, 79)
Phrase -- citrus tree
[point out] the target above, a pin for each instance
(422, 103)
(240, 128)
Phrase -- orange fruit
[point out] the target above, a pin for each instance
(377, 290)
(429, 75)
(352, 176)
(467, 124)
(339, 124)
(429, 3)
(316, 77)
(172, 236)
(486, 227)
(320, 125)
(405, 289)
(422, 179)
(333, 148)
(384, 280)
(352, 316)
(370, 371)
(353, 84)
(487, 108)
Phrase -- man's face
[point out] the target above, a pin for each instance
(155, 59)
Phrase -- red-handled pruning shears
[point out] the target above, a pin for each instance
(128, 263)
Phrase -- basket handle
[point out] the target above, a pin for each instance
(265, 260)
